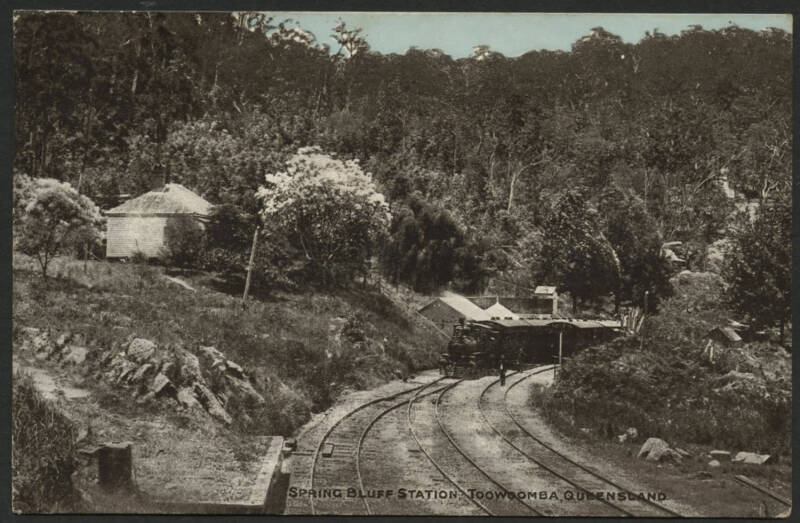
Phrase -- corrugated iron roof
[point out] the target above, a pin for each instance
(461, 305)
(465, 307)
(173, 198)
(499, 311)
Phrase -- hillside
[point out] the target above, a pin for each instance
(203, 373)
(667, 386)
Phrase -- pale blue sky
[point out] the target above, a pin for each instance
(510, 33)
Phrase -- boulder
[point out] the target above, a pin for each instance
(713, 463)
(652, 446)
(142, 372)
(74, 355)
(234, 369)
(187, 399)
(190, 370)
(141, 350)
(632, 433)
(244, 389)
(124, 371)
(751, 458)
(212, 356)
(211, 403)
(720, 454)
(622, 438)
(656, 449)
(167, 368)
(162, 386)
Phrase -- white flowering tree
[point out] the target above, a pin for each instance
(53, 218)
(330, 211)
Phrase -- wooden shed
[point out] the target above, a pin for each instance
(446, 311)
(138, 224)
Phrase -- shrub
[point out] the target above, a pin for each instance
(51, 218)
(183, 242)
(43, 452)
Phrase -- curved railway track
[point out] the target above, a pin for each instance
(510, 506)
(417, 395)
(565, 468)
(347, 431)
(435, 463)
(342, 467)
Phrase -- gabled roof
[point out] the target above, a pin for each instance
(499, 311)
(173, 198)
(462, 306)
(544, 290)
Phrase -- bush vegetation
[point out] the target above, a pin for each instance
(666, 387)
(43, 452)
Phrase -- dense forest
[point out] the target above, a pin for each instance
(570, 168)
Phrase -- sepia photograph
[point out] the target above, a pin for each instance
(402, 263)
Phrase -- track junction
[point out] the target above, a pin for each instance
(446, 446)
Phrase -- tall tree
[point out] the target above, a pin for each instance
(759, 265)
(574, 254)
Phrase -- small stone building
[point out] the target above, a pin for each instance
(138, 225)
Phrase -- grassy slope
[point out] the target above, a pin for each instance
(301, 350)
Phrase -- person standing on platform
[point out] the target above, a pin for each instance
(502, 372)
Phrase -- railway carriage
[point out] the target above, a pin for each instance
(476, 347)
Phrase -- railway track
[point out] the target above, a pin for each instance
(457, 466)
(783, 508)
(508, 427)
(339, 460)
(417, 396)
(342, 442)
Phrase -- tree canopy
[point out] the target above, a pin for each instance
(113, 102)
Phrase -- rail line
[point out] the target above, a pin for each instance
(436, 464)
(570, 462)
(529, 508)
(348, 416)
(372, 424)
(744, 480)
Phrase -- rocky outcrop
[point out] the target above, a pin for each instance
(202, 382)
